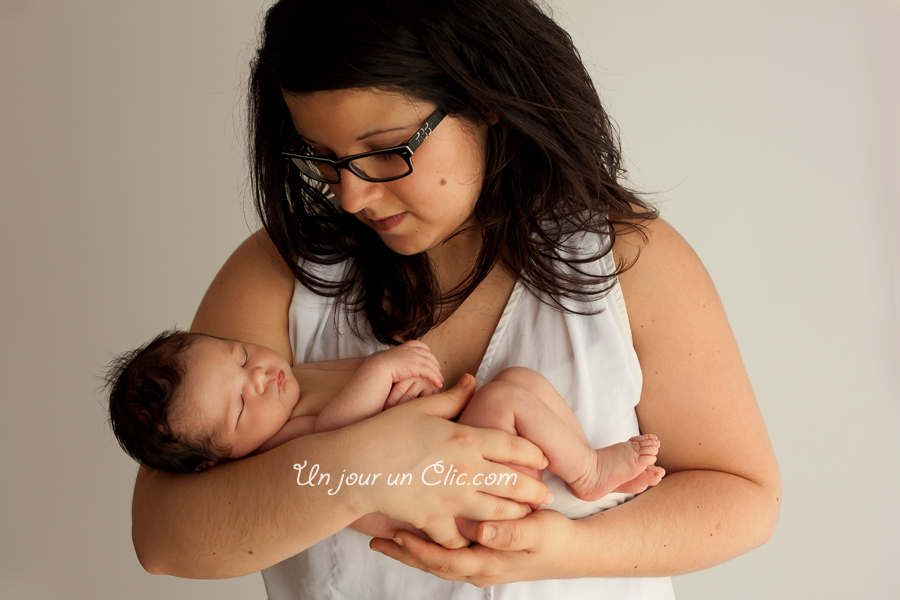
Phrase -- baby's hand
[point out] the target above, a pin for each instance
(408, 361)
(408, 389)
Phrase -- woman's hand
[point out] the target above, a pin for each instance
(535, 547)
(445, 480)
(246, 515)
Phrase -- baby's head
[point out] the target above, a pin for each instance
(185, 402)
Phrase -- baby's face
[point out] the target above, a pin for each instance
(242, 393)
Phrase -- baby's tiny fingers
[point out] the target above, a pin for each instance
(419, 388)
(397, 392)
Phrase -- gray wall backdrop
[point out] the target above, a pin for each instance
(769, 131)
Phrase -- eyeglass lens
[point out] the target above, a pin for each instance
(378, 166)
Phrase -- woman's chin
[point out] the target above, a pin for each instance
(403, 246)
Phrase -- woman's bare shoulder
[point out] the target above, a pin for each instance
(250, 297)
(659, 261)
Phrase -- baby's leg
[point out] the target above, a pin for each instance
(523, 402)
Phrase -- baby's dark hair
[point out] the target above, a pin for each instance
(144, 386)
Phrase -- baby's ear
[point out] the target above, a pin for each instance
(207, 464)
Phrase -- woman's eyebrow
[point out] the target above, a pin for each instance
(375, 132)
(364, 136)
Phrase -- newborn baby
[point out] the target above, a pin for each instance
(186, 402)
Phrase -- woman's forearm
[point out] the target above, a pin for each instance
(243, 516)
(239, 517)
(692, 520)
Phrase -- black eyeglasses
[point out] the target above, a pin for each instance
(387, 164)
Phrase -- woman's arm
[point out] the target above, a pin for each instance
(721, 495)
(240, 517)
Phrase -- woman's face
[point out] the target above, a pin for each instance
(417, 212)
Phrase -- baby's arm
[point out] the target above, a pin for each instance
(343, 364)
(370, 389)
(411, 365)
(363, 396)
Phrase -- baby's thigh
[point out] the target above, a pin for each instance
(493, 405)
(513, 391)
(537, 384)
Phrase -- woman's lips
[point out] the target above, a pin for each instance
(385, 225)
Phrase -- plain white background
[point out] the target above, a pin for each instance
(769, 132)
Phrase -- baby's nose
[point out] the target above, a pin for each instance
(260, 378)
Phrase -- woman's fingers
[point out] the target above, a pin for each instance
(531, 548)
(450, 403)
(397, 552)
(445, 533)
(489, 508)
(427, 557)
(495, 445)
(459, 472)
(473, 564)
(467, 528)
(523, 534)
(499, 446)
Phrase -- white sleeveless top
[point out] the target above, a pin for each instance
(591, 362)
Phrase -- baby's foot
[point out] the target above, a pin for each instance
(626, 467)
(651, 476)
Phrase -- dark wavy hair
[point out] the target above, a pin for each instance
(143, 387)
(553, 166)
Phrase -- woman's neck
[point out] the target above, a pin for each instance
(453, 261)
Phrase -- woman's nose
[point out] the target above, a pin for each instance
(354, 193)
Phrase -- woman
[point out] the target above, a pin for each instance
(509, 242)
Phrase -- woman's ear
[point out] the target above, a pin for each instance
(490, 115)
(207, 464)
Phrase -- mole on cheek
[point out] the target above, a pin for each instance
(443, 182)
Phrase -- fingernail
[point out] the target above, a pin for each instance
(549, 498)
(374, 549)
(398, 541)
(545, 463)
(489, 532)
